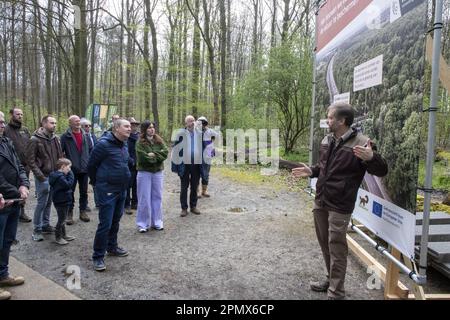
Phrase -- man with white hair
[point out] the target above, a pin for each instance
(75, 146)
(188, 165)
(109, 174)
(86, 126)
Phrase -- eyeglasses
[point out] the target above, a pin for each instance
(87, 125)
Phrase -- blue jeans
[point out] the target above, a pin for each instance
(44, 205)
(205, 174)
(111, 209)
(9, 219)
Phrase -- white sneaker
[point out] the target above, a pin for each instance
(142, 230)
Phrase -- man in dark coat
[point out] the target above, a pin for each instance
(109, 173)
(75, 146)
(14, 186)
(19, 135)
(345, 157)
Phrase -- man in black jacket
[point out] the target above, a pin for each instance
(19, 135)
(345, 157)
(14, 184)
(75, 146)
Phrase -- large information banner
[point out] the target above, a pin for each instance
(100, 115)
(370, 53)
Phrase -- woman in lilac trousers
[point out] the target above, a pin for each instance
(150, 155)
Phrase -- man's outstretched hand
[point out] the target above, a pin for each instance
(302, 172)
(364, 153)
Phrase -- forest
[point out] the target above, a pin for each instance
(242, 64)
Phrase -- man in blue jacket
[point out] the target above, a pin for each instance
(109, 174)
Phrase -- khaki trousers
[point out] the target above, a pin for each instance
(331, 230)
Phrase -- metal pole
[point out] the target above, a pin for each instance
(419, 279)
(431, 136)
(313, 106)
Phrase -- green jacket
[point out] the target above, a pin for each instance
(146, 163)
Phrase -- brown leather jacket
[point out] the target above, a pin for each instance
(20, 136)
(42, 154)
(340, 172)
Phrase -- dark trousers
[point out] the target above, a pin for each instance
(191, 177)
(60, 229)
(82, 179)
(111, 206)
(132, 200)
(9, 219)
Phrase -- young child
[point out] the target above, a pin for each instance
(61, 182)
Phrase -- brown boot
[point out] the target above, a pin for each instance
(205, 191)
(195, 211)
(4, 295)
(184, 213)
(84, 217)
(69, 220)
(199, 192)
(11, 281)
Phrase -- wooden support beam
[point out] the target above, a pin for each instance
(400, 292)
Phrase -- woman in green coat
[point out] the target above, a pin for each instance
(150, 155)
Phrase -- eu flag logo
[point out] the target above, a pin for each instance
(377, 209)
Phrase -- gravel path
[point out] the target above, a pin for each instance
(248, 243)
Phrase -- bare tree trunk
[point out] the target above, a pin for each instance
(195, 60)
(223, 63)
(13, 53)
(80, 62)
(24, 55)
(147, 72)
(154, 71)
(94, 24)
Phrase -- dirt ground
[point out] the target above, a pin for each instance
(250, 242)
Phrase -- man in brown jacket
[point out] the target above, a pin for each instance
(345, 157)
(20, 136)
(44, 150)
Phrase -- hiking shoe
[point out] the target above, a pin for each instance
(128, 211)
(88, 209)
(184, 213)
(158, 228)
(68, 238)
(84, 217)
(15, 242)
(320, 286)
(99, 265)
(142, 230)
(118, 252)
(11, 281)
(4, 295)
(195, 211)
(48, 230)
(61, 241)
(37, 236)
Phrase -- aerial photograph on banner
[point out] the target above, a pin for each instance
(371, 54)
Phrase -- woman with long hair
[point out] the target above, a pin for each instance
(151, 152)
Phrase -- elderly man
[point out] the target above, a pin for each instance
(345, 157)
(43, 151)
(19, 135)
(75, 146)
(110, 174)
(86, 125)
(14, 185)
(187, 158)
